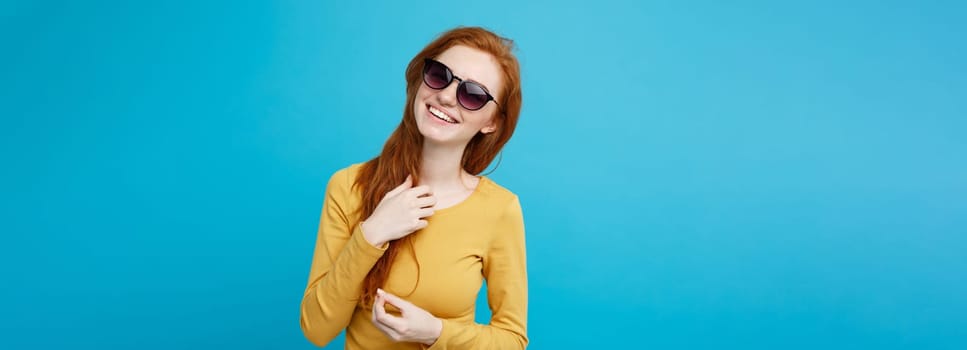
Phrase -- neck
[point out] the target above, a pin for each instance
(441, 168)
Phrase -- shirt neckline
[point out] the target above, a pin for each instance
(476, 193)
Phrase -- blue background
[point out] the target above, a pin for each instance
(707, 174)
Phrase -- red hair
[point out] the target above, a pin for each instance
(402, 153)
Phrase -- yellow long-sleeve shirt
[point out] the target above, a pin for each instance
(479, 238)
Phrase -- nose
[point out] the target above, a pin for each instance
(448, 96)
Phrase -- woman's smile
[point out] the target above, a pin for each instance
(440, 116)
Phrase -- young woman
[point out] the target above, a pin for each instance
(407, 238)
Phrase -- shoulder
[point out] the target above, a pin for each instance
(345, 176)
(340, 192)
(340, 183)
(499, 199)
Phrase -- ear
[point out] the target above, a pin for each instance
(489, 128)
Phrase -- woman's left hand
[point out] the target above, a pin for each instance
(415, 325)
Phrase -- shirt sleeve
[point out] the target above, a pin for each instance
(341, 261)
(505, 268)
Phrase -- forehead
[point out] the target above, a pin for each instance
(472, 64)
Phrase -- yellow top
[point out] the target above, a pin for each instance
(479, 238)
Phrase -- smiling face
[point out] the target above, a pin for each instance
(440, 118)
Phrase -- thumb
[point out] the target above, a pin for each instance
(402, 187)
(401, 304)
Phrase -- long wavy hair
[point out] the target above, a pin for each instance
(402, 153)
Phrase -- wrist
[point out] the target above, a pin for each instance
(370, 238)
(436, 332)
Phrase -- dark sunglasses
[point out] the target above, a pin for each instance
(470, 95)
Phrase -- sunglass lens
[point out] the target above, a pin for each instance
(436, 75)
(472, 96)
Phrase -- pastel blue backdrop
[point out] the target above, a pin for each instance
(701, 174)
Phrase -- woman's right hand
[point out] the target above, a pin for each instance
(399, 213)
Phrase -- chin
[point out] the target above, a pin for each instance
(438, 137)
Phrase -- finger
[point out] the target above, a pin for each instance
(419, 190)
(424, 212)
(380, 315)
(393, 323)
(389, 332)
(420, 224)
(378, 304)
(401, 304)
(402, 187)
(427, 201)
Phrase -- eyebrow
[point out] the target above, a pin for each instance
(467, 79)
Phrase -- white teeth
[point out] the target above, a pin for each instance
(439, 114)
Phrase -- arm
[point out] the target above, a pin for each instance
(341, 261)
(505, 268)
